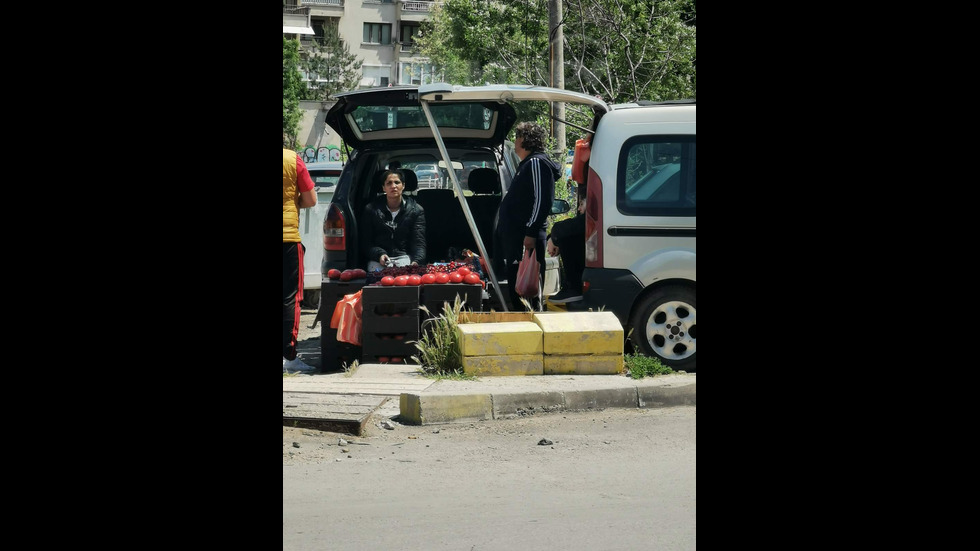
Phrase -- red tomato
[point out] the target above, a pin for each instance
(464, 271)
(401, 280)
(396, 359)
(456, 277)
(383, 359)
(472, 279)
(442, 278)
(359, 273)
(387, 280)
(414, 279)
(346, 275)
(333, 274)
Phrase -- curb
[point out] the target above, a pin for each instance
(427, 408)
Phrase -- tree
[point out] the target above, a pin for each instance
(330, 66)
(292, 89)
(620, 50)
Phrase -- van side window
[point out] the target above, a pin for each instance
(657, 176)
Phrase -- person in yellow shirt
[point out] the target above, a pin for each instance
(297, 193)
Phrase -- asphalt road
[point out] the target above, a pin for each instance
(613, 480)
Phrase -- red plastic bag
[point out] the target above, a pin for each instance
(528, 275)
(348, 319)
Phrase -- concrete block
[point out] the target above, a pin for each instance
(500, 339)
(584, 365)
(428, 409)
(595, 333)
(505, 365)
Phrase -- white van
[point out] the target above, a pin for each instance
(641, 227)
(325, 176)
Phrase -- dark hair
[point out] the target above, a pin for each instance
(398, 172)
(534, 136)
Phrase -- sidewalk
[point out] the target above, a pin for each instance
(343, 402)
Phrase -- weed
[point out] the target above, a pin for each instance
(640, 366)
(349, 369)
(438, 344)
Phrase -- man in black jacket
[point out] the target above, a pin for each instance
(393, 226)
(526, 206)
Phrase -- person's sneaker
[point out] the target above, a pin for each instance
(296, 365)
(565, 296)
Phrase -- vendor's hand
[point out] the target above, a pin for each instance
(416, 263)
(384, 260)
(529, 243)
(552, 249)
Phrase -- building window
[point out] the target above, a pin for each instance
(377, 33)
(417, 73)
(407, 32)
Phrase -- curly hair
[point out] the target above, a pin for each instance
(534, 136)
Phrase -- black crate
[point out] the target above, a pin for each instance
(376, 347)
(435, 297)
(403, 319)
(385, 359)
(376, 294)
(333, 353)
(331, 292)
(390, 309)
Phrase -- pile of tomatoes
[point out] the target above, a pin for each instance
(433, 274)
(462, 274)
(346, 275)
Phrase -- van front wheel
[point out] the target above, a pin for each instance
(665, 327)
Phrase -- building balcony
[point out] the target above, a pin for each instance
(415, 10)
(296, 20)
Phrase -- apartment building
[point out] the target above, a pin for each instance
(379, 32)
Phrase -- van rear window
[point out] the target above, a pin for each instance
(658, 176)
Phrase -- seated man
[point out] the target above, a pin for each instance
(393, 227)
(568, 239)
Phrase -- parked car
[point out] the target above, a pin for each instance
(325, 176)
(428, 176)
(382, 125)
(641, 227)
(641, 219)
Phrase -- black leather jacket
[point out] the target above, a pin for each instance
(405, 235)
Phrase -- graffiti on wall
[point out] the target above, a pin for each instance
(320, 155)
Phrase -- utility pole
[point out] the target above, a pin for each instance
(557, 66)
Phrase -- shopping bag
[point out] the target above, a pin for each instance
(349, 323)
(528, 275)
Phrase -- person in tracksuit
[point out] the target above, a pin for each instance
(297, 193)
(525, 208)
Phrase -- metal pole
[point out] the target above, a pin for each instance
(462, 201)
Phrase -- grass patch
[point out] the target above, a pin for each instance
(639, 366)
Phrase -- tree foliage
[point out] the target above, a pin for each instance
(292, 89)
(330, 66)
(620, 50)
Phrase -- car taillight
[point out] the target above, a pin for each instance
(593, 221)
(333, 229)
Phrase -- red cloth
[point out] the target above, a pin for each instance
(346, 318)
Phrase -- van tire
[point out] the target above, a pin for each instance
(664, 326)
